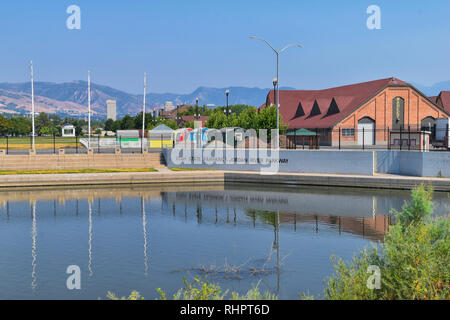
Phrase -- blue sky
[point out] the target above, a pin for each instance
(184, 44)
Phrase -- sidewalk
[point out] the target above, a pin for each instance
(166, 176)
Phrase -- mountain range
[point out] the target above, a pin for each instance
(433, 90)
(71, 98)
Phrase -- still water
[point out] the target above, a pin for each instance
(147, 237)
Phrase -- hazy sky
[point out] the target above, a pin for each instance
(184, 44)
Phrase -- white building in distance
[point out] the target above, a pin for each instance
(111, 110)
(68, 130)
(168, 106)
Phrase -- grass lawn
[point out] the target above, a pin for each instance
(10, 172)
(26, 146)
(40, 143)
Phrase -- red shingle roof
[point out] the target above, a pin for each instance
(444, 100)
(192, 118)
(348, 98)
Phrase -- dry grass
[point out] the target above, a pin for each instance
(26, 146)
(239, 272)
(73, 171)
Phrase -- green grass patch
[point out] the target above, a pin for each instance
(73, 171)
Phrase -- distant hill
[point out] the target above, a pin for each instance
(71, 98)
(433, 90)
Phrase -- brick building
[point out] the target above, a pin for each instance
(443, 100)
(375, 108)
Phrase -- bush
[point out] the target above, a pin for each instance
(202, 290)
(413, 260)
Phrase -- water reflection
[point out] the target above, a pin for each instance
(283, 219)
(91, 272)
(33, 246)
(144, 228)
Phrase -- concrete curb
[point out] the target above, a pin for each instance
(220, 177)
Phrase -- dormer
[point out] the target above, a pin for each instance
(333, 109)
(315, 110)
(300, 112)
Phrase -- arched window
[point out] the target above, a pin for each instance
(427, 124)
(398, 113)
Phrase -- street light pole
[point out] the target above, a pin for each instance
(196, 109)
(275, 81)
(227, 93)
(277, 53)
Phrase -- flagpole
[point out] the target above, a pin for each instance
(143, 107)
(89, 109)
(32, 104)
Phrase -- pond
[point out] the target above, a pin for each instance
(147, 237)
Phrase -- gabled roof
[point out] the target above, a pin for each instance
(302, 132)
(161, 127)
(192, 118)
(347, 99)
(443, 100)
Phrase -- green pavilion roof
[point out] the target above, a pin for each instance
(302, 132)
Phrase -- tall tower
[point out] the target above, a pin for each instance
(111, 110)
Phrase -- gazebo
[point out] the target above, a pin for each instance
(68, 130)
(312, 138)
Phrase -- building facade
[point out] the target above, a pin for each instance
(364, 113)
(111, 109)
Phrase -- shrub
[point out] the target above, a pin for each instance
(413, 260)
(196, 290)
(200, 289)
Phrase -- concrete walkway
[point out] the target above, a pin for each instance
(380, 181)
(166, 176)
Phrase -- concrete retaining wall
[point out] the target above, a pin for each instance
(413, 163)
(332, 162)
(408, 163)
(80, 161)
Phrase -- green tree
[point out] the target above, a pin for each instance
(127, 123)
(138, 120)
(41, 121)
(46, 131)
(116, 125)
(109, 125)
(5, 125)
(20, 126)
(267, 119)
(248, 118)
(217, 120)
